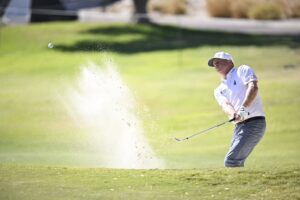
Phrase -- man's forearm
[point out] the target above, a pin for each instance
(228, 109)
(251, 93)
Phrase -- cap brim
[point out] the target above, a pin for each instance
(210, 62)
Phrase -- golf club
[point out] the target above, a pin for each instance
(204, 131)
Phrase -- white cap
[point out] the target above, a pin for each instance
(220, 55)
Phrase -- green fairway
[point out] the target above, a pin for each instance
(166, 69)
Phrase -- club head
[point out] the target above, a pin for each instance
(180, 140)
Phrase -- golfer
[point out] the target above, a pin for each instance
(239, 98)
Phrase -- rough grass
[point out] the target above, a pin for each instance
(170, 78)
(254, 9)
(171, 7)
(28, 182)
(266, 11)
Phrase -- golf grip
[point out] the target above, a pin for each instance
(232, 119)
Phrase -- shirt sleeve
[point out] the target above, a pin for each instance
(220, 97)
(247, 74)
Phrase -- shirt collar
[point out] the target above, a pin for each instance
(229, 75)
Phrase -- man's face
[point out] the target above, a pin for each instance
(222, 66)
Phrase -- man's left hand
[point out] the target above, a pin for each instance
(242, 114)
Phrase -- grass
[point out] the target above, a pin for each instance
(166, 68)
(171, 7)
(254, 9)
(21, 182)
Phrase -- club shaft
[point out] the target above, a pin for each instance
(206, 130)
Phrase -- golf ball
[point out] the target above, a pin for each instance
(50, 45)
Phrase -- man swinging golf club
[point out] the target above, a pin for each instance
(239, 98)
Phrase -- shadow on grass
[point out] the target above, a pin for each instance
(130, 39)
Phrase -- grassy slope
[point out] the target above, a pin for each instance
(170, 79)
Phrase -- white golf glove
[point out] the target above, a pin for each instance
(242, 113)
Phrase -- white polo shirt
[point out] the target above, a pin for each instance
(233, 90)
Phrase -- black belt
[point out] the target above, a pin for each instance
(251, 119)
